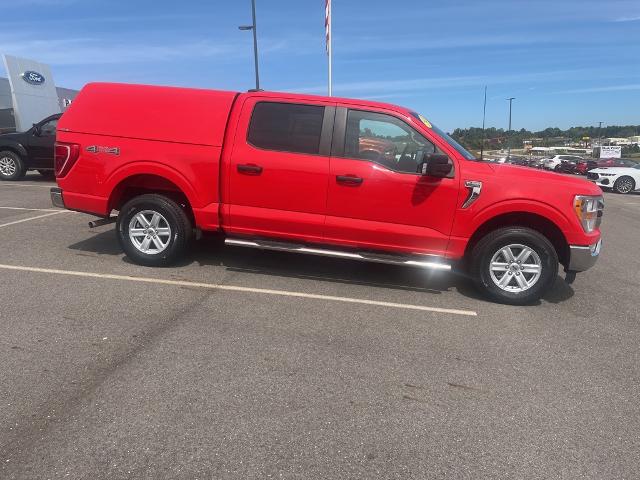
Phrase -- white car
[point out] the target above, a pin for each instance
(554, 162)
(621, 179)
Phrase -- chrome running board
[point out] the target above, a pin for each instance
(425, 261)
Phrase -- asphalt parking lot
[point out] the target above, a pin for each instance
(248, 364)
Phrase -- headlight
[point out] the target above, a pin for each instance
(589, 211)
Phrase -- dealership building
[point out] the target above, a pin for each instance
(28, 94)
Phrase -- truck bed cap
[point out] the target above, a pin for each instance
(183, 115)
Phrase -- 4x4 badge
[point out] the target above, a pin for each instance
(99, 149)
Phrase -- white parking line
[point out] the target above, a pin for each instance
(214, 286)
(33, 209)
(32, 218)
(6, 184)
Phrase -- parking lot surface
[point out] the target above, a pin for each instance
(249, 364)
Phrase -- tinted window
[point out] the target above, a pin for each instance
(48, 129)
(286, 127)
(385, 140)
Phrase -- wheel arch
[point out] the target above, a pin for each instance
(137, 184)
(16, 148)
(534, 221)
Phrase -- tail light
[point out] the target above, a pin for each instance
(66, 155)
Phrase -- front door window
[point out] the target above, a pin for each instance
(385, 140)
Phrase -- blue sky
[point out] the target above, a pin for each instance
(567, 62)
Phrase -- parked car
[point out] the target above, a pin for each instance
(30, 150)
(567, 166)
(536, 162)
(615, 162)
(553, 162)
(286, 172)
(583, 166)
(620, 179)
(514, 160)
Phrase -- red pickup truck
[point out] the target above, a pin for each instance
(351, 179)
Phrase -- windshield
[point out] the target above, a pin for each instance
(637, 166)
(446, 137)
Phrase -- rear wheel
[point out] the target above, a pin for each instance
(153, 230)
(624, 184)
(514, 265)
(11, 166)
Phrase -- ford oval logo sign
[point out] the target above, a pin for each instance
(34, 78)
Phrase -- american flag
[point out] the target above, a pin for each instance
(327, 23)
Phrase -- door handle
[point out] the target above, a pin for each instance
(250, 169)
(349, 180)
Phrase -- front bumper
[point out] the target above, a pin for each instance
(583, 257)
(56, 197)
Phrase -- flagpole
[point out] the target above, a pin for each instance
(329, 42)
(484, 115)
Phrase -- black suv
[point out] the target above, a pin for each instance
(30, 150)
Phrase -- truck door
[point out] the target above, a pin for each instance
(40, 144)
(279, 168)
(377, 200)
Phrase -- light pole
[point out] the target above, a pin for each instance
(600, 133)
(255, 40)
(511, 99)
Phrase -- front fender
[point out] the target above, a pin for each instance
(15, 147)
(550, 212)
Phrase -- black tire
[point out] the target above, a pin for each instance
(48, 174)
(492, 243)
(11, 166)
(181, 230)
(624, 184)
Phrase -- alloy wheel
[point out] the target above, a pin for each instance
(8, 166)
(149, 232)
(515, 268)
(624, 185)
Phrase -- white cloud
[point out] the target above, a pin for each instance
(628, 19)
(91, 51)
(610, 88)
(390, 88)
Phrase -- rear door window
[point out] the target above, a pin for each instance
(286, 127)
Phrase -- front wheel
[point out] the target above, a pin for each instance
(153, 230)
(514, 265)
(11, 166)
(624, 185)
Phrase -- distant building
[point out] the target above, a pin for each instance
(617, 141)
(7, 121)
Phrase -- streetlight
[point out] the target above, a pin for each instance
(599, 140)
(511, 99)
(599, 133)
(255, 40)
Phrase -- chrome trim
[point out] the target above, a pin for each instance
(474, 188)
(583, 257)
(414, 261)
(56, 197)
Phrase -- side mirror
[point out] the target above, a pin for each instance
(435, 165)
(36, 130)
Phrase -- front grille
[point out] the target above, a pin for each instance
(592, 176)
